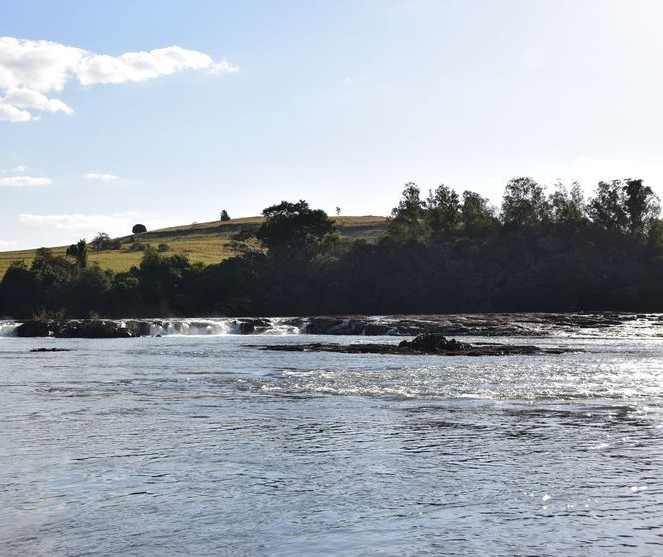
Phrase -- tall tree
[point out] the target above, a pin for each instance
(641, 204)
(477, 215)
(295, 231)
(79, 252)
(607, 208)
(567, 207)
(524, 204)
(408, 219)
(443, 210)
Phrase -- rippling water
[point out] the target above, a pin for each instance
(208, 445)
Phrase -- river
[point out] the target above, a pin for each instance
(206, 444)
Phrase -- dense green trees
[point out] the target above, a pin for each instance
(524, 204)
(441, 215)
(445, 253)
(624, 206)
(443, 211)
(295, 231)
(408, 220)
(567, 208)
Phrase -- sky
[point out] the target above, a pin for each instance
(163, 112)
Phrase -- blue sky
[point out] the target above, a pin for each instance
(114, 112)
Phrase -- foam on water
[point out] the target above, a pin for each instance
(191, 327)
(219, 327)
(8, 328)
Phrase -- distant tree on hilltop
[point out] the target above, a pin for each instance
(104, 241)
(138, 229)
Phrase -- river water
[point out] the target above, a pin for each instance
(209, 445)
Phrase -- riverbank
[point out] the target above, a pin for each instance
(451, 325)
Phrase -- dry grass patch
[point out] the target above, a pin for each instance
(206, 242)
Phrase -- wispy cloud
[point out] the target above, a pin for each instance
(88, 226)
(102, 177)
(30, 69)
(24, 181)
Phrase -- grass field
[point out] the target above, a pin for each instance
(206, 242)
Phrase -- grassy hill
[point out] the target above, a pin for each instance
(206, 242)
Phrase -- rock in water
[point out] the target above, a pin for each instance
(434, 342)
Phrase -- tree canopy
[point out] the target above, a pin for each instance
(295, 231)
(446, 253)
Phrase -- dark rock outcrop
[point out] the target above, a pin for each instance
(434, 342)
(479, 325)
(251, 326)
(84, 328)
(464, 324)
(426, 343)
(33, 329)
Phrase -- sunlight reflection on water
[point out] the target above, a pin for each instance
(211, 446)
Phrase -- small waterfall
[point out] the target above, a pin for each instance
(281, 327)
(8, 328)
(161, 327)
(219, 327)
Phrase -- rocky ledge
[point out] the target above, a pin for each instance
(484, 325)
(474, 324)
(426, 343)
(108, 328)
(84, 328)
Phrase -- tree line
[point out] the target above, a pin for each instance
(443, 252)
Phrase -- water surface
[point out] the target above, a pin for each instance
(208, 445)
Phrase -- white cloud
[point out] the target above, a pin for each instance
(10, 113)
(222, 67)
(30, 69)
(27, 98)
(20, 169)
(102, 177)
(23, 181)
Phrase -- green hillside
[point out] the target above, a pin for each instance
(206, 242)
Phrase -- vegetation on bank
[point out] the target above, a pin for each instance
(441, 252)
(206, 242)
